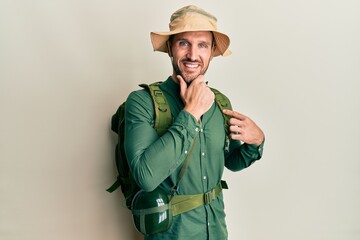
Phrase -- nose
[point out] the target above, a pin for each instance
(192, 53)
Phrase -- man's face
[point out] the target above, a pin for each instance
(192, 53)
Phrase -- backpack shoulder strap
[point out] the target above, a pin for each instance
(163, 117)
(224, 103)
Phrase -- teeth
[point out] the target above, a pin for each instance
(191, 65)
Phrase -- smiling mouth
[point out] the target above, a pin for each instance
(188, 69)
(191, 65)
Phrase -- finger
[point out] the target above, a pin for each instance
(199, 79)
(236, 122)
(234, 114)
(235, 129)
(237, 136)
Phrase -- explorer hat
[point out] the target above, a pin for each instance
(189, 19)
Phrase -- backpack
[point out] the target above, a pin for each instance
(163, 120)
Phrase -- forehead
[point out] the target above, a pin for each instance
(194, 36)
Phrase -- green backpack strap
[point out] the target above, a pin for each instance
(224, 103)
(163, 118)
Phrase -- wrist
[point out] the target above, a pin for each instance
(193, 112)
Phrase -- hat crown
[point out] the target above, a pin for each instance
(192, 18)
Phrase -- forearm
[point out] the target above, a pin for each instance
(242, 155)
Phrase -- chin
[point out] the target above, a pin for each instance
(189, 78)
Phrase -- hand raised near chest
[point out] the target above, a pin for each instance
(197, 97)
(244, 129)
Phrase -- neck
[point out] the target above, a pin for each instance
(174, 78)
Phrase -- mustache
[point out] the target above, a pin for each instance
(190, 60)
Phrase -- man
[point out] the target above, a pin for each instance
(155, 162)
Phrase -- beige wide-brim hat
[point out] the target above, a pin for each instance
(191, 19)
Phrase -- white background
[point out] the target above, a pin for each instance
(65, 66)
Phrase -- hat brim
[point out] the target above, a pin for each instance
(222, 41)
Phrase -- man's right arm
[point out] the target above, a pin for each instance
(152, 158)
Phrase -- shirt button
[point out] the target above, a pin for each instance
(203, 154)
(204, 177)
(196, 129)
(186, 151)
(201, 130)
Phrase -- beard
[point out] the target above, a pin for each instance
(187, 79)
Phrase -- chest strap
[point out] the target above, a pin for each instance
(184, 203)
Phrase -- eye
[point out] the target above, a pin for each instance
(203, 45)
(183, 43)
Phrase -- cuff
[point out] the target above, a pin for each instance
(256, 150)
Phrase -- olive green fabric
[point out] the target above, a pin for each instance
(184, 203)
(164, 118)
(156, 160)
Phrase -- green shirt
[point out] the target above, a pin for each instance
(156, 161)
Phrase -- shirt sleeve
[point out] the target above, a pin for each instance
(243, 155)
(152, 158)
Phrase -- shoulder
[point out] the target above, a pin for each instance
(140, 102)
(141, 94)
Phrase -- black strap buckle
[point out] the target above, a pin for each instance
(174, 190)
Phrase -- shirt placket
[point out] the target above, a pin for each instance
(204, 173)
(203, 168)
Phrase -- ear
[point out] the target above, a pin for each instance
(212, 52)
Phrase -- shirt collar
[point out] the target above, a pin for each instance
(171, 87)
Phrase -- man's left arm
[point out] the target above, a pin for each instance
(245, 130)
